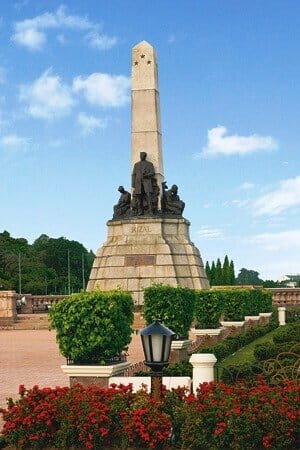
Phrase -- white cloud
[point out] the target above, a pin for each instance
(219, 143)
(286, 196)
(30, 38)
(47, 97)
(13, 141)
(31, 33)
(247, 185)
(100, 41)
(103, 89)
(240, 203)
(90, 124)
(210, 233)
(281, 240)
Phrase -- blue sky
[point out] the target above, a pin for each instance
(229, 76)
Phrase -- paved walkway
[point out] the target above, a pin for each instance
(32, 357)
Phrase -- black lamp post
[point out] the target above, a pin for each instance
(156, 340)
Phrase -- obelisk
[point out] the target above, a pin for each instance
(145, 108)
(148, 239)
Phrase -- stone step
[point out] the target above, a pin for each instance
(40, 322)
(31, 322)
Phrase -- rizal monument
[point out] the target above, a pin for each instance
(147, 238)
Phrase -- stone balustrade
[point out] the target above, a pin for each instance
(285, 296)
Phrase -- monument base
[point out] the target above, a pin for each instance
(141, 251)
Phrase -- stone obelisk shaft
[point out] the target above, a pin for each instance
(145, 110)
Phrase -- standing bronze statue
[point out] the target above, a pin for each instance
(142, 183)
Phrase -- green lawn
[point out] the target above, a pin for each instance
(245, 354)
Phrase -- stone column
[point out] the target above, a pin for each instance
(281, 315)
(203, 368)
(8, 310)
(145, 109)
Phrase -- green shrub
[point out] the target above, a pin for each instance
(234, 303)
(220, 350)
(292, 314)
(253, 302)
(269, 350)
(208, 309)
(2, 442)
(173, 305)
(265, 351)
(179, 369)
(92, 327)
(287, 333)
(266, 301)
(246, 371)
(233, 343)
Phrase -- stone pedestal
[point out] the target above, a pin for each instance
(203, 368)
(179, 351)
(8, 311)
(281, 315)
(206, 331)
(264, 318)
(233, 323)
(142, 251)
(93, 375)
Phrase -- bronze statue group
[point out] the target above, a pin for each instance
(145, 195)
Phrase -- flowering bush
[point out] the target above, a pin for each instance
(82, 417)
(219, 416)
(240, 417)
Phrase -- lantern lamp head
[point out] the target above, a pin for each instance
(156, 340)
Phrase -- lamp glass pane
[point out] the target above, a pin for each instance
(146, 346)
(157, 341)
(167, 348)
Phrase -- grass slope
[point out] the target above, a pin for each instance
(245, 354)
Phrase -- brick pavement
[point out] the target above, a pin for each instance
(32, 357)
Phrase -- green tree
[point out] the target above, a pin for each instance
(218, 277)
(226, 275)
(232, 274)
(44, 264)
(212, 280)
(248, 277)
(272, 284)
(207, 270)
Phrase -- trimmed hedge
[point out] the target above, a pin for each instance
(92, 327)
(292, 314)
(288, 333)
(174, 306)
(208, 309)
(222, 349)
(235, 304)
(234, 343)
(265, 301)
(284, 338)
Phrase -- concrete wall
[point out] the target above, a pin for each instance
(8, 311)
